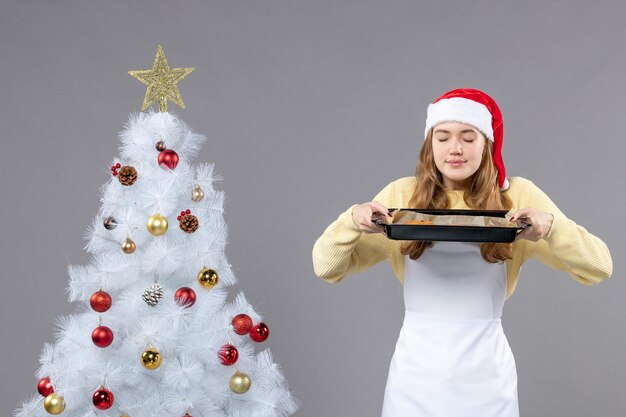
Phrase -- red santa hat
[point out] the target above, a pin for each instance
(475, 108)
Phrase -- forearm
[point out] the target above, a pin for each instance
(584, 256)
(568, 246)
(343, 249)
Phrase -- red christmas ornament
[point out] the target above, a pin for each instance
(45, 387)
(168, 159)
(103, 399)
(185, 296)
(100, 301)
(242, 324)
(102, 336)
(228, 354)
(260, 333)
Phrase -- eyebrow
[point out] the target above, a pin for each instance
(463, 131)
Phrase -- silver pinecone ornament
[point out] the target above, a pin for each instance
(153, 295)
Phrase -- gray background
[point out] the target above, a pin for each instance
(310, 107)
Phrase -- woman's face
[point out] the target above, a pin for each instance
(457, 150)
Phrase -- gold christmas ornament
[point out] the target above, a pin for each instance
(197, 194)
(239, 383)
(151, 358)
(157, 225)
(207, 278)
(160, 146)
(161, 81)
(54, 404)
(128, 246)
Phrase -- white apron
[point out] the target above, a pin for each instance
(452, 358)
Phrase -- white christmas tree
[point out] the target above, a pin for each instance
(154, 333)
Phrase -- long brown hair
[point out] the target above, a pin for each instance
(483, 194)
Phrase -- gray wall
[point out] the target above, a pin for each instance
(311, 106)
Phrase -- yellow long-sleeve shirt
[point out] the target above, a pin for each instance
(343, 249)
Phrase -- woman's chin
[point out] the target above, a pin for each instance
(456, 181)
(455, 177)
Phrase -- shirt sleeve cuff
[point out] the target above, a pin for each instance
(346, 220)
(557, 224)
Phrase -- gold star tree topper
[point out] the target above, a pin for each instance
(161, 81)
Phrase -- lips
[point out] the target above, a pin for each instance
(455, 162)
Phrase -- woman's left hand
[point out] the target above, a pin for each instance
(538, 223)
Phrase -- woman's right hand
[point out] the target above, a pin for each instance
(364, 215)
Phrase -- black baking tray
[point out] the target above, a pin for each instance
(428, 232)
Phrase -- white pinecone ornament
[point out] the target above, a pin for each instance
(153, 295)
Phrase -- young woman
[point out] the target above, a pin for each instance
(452, 357)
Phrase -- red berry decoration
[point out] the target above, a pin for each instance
(185, 297)
(103, 399)
(102, 336)
(168, 159)
(242, 324)
(100, 301)
(45, 387)
(260, 333)
(114, 169)
(228, 354)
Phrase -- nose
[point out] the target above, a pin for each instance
(455, 147)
